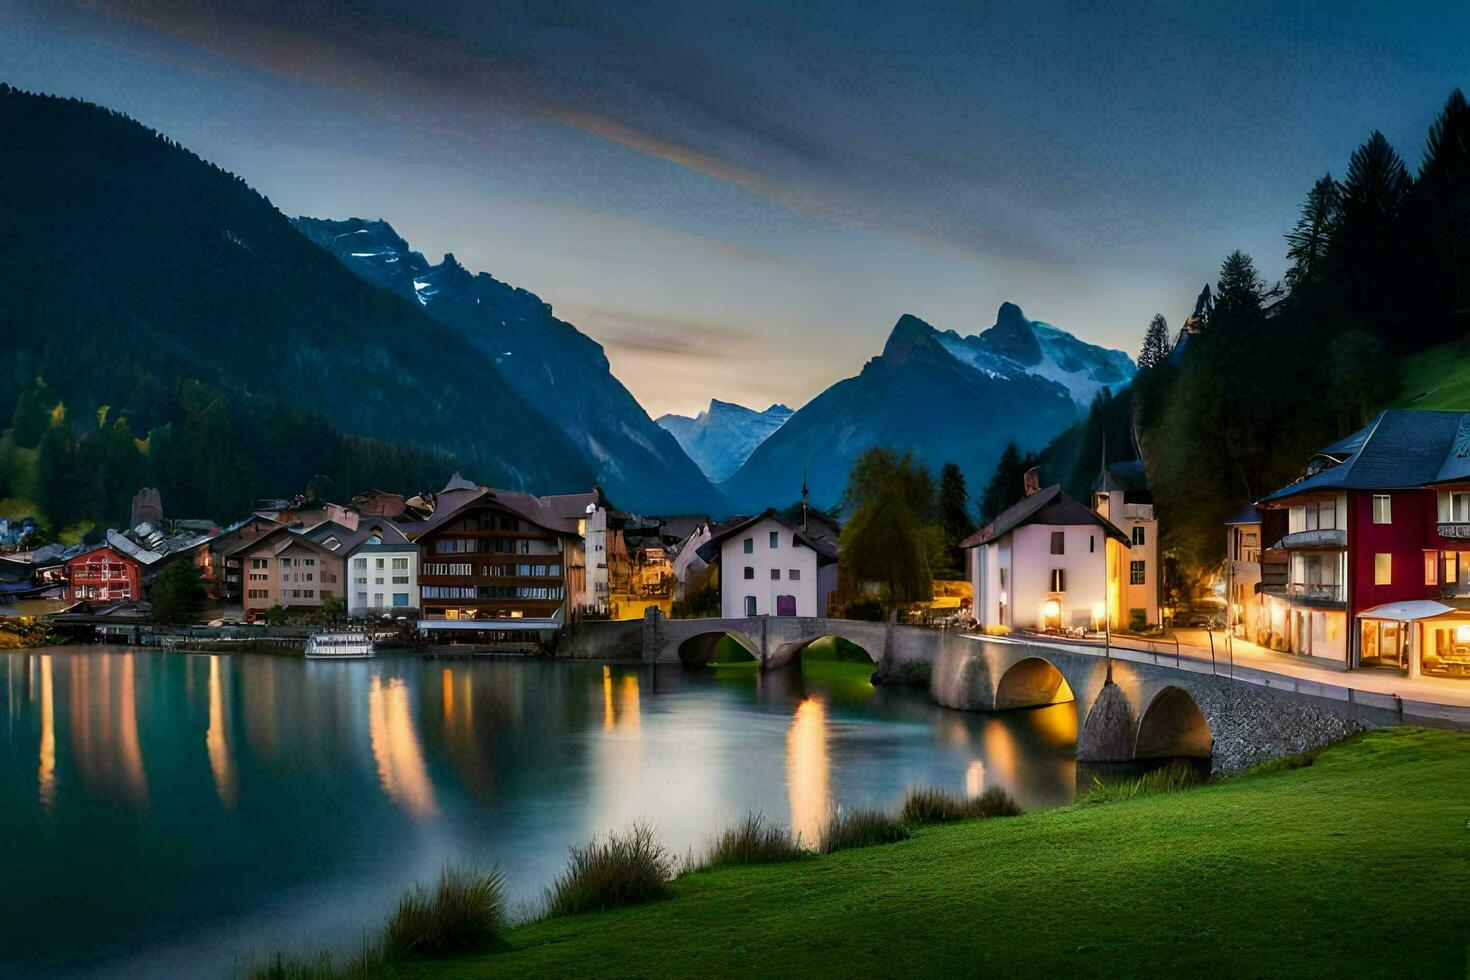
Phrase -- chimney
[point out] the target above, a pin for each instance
(1031, 481)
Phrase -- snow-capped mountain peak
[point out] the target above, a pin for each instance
(722, 437)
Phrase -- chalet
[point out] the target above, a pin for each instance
(768, 567)
(228, 583)
(500, 568)
(285, 567)
(1048, 562)
(104, 573)
(1376, 548)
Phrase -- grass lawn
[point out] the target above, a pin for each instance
(1357, 865)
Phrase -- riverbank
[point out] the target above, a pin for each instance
(1353, 865)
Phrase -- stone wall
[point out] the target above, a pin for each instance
(601, 640)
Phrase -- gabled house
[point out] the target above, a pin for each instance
(285, 567)
(1376, 548)
(104, 573)
(381, 566)
(1121, 496)
(1243, 578)
(768, 567)
(1048, 562)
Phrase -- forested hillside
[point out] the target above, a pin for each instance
(1374, 309)
(187, 336)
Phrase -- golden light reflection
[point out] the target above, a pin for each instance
(220, 761)
(129, 747)
(808, 770)
(629, 708)
(1000, 748)
(446, 694)
(396, 749)
(1056, 725)
(609, 716)
(46, 773)
(975, 778)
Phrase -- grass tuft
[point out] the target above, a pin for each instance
(314, 966)
(465, 910)
(753, 840)
(926, 804)
(619, 869)
(1175, 776)
(847, 829)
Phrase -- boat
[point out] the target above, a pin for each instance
(339, 645)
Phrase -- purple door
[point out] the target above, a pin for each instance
(785, 605)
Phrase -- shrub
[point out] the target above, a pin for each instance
(754, 840)
(915, 673)
(1174, 776)
(466, 910)
(620, 869)
(865, 607)
(847, 829)
(925, 804)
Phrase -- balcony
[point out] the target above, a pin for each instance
(1316, 593)
(1138, 512)
(1332, 537)
(1453, 529)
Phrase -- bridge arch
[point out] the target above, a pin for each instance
(1173, 726)
(705, 649)
(1032, 683)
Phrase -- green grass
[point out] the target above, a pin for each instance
(848, 829)
(752, 840)
(926, 804)
(465, 910)
(1167, 779)
(1438, 378)
(619, 869)
(1356, 865)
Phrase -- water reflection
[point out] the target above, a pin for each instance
(215, 740)
(102, 698)
(975, 778)
(396, 749)
(46, 773)
(807, 770)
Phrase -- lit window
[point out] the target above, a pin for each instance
(1382, 569)
(1382, 508)
(1431, 568)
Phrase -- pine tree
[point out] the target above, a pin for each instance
(954, 505)
(1155, 343)
(1307, 242)
(1006, 484)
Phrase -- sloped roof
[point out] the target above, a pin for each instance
(558, 514)
(1126, 476)
(710, 550)
(1049, 505)
(1400, 449)
(1247, 515)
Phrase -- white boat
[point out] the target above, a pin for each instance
(339, 646)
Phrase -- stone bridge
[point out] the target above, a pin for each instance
(775, 641)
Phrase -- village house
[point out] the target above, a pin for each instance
(1243, 573)
(768, 567)
(499, 568)
(381, 564)
(1376, 549)
(285, 567)
(1121, 496)
(104, 573)
(1049, 562)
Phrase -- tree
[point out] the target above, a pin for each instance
(1155, 343)
(1005, 487)
(887, 537)
(1308, 240)
(178, 594)
(954, 504)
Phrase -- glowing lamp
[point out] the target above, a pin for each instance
(1052, 609)
(1462, 634)
(1098, 610)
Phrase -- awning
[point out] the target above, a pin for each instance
(1408, 610)
(499, 625)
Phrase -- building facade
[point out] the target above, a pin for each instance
(1121, 496)
(285, 568)
(1243, 574)
(382, 572)
(768, 567)
(104, 574)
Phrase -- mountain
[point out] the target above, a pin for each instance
(139, 277)
(558, 370)
(723, 436)
(943, 396)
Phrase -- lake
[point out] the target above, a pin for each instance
(163, 814)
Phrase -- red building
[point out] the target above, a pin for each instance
(1373, 567)
(105, 574)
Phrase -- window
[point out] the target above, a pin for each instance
(1059, 580)
(1431, 568)
(750, 605)
(400, 599)
(360, 580)
(308, 561)
(749, 545)
(775, 539)
(1382, 569)
(1382, 508)
(257, 563)
(793, 574)
(400, 580)
(749, 572)
(1059, 542)
(775, 575)
(285, 563)
(359, 563)
(1002, 577)
(362, 598)
(379, 563)
(400, 564)
(1135, 573)
(1091, 543)
(1456, 508)
(1138, 538)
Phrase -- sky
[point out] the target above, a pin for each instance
(739, 200)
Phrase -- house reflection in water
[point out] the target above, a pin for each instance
(104, 728)
(221, 763)
(807, 771)
(620, 705)
(396, 748)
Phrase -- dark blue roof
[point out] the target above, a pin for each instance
(1401, 448)
(1248, 515)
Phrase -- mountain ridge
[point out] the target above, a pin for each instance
(721, 437)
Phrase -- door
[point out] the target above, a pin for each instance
(785, 605)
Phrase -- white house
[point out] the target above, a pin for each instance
(687, 563)
(382, 566)
(1046, 563)
(768, 567)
